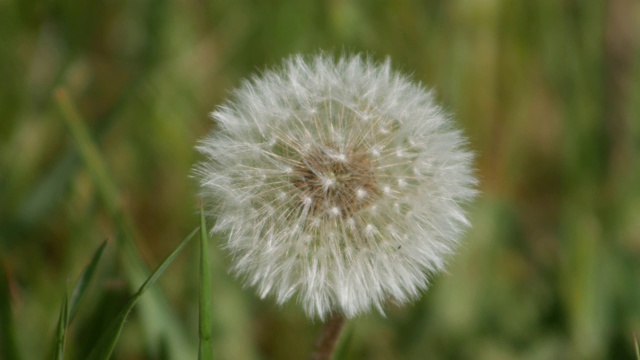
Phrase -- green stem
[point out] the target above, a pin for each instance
(328, 339)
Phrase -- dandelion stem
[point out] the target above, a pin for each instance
(328, 339)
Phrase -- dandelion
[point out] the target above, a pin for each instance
(338, 182)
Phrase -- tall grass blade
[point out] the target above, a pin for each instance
(83, 281)
(205, 351)
(70, 306)
(89, 152)
(63, 321)
(109, 338)
(635, 341)
(158, 321)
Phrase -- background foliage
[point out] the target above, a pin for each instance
(548, 92)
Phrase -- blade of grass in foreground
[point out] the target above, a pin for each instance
(84, 280)
(63, 321)
(205, 351)
(158, 321)
(635, 340)
(108, 339)
(69, 307)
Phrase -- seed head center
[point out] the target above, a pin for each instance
(337, 185)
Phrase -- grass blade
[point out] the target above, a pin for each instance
(63, 321)
(83, 281)
(108, 340)
(205, 351)
(89, 152)
(158, 321)
(70, 306)
(635, 341)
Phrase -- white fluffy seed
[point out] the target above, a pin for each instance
(299, 179)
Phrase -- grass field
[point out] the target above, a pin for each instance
(547, 91)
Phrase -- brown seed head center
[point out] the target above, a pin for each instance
(335, 183)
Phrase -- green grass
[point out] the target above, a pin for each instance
(69, 307)
(548, 93)
(63, 322)
(205, 351)
(106, 343)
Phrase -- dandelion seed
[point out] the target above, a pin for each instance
(338, 182)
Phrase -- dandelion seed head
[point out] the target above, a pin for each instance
(337, 182)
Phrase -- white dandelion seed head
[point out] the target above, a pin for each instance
(338, 182)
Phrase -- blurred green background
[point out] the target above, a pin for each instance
(547, 91)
